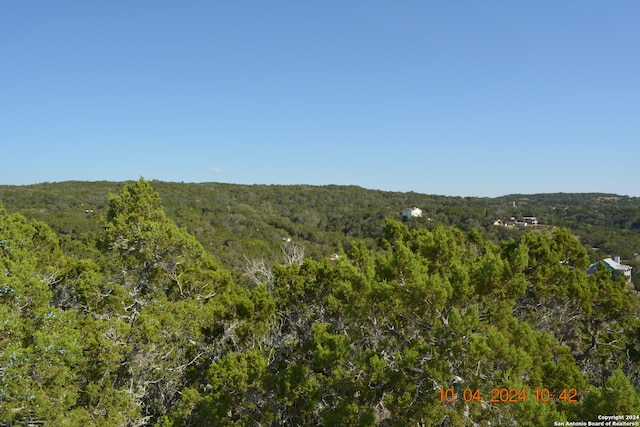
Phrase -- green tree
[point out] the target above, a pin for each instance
(180, 310)
(39, 344)
(616, 396)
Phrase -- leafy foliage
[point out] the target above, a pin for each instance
(131, 315)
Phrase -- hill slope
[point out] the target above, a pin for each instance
(236, 220)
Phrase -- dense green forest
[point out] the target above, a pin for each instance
(233, 221)
(152, 303)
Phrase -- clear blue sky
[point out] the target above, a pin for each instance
(462, 98)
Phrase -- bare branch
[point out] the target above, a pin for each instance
(293, 253)
(258, 271)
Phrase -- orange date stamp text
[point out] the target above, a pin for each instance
(509, 395)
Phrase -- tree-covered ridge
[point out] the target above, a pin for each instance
(136, 323)
(233, 221)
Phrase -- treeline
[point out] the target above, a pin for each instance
(233, 221)
(134, 322)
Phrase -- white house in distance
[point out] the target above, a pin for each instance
(409, 213)
(613, 265)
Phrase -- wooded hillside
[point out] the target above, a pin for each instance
(232, 220)
(151, 303)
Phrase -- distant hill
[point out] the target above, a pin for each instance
(237, 221)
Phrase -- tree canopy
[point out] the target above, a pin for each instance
(134, 322)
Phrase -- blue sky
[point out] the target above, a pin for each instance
(460, 98)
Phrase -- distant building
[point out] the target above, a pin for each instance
(613, 265)
(409, 213)
(514, 222)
